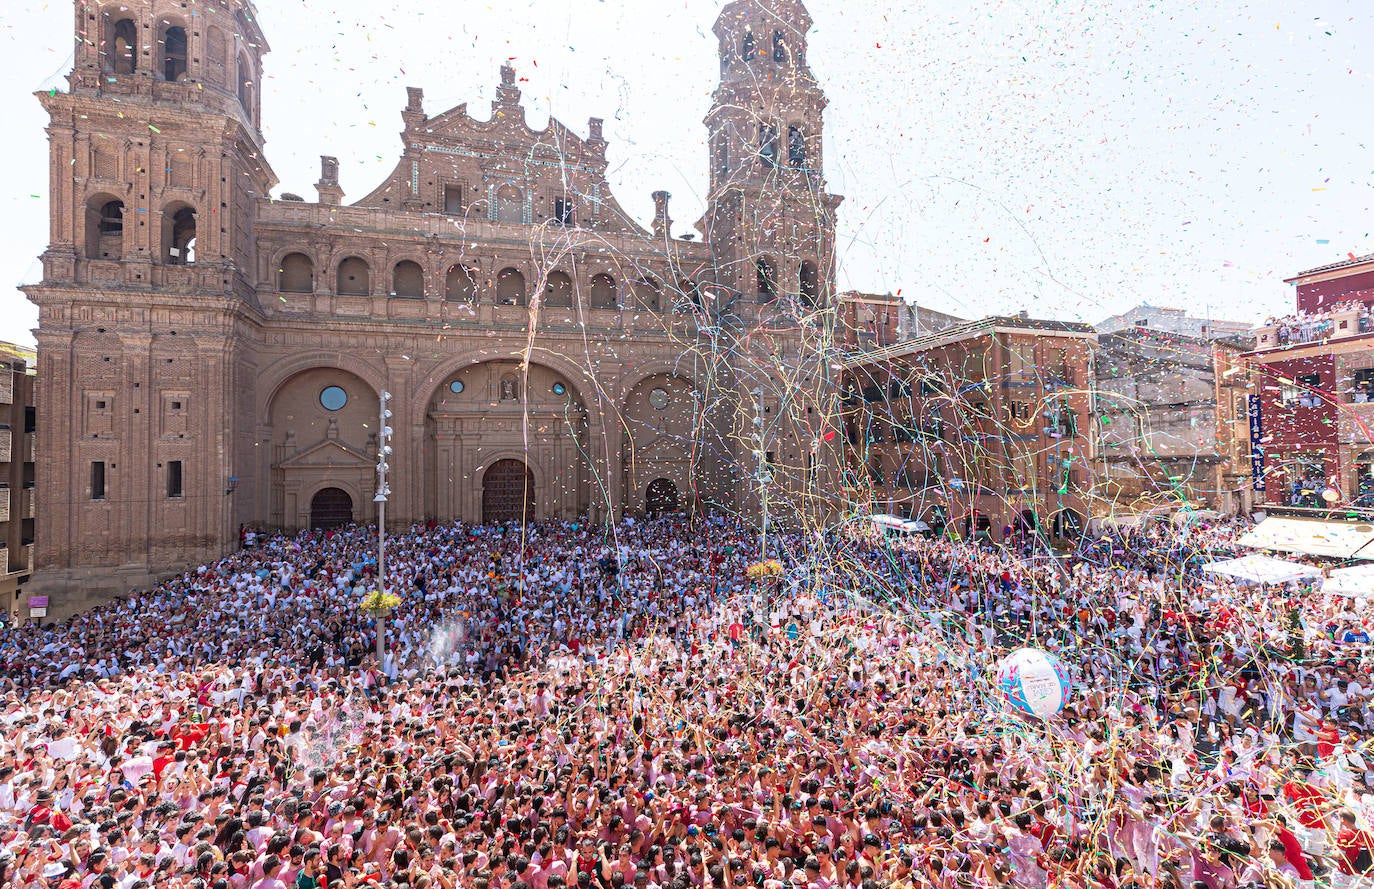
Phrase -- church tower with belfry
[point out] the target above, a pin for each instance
(770, 223)
(147, 305)
(212, 355)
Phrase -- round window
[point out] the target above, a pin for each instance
(456, 387)
(559, 389)
(658, 398)
(333, 398)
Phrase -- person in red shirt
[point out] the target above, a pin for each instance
(1292, 848)
(188, 734)
(163, 759)
(1356, 847)
(1309, 801)
(1328, 738)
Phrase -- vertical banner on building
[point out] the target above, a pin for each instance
(1256, 447)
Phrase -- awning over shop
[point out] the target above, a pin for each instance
(1340, 540)
(1262, 569)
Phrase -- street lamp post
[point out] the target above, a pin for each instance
(764, 474)
(384, 433)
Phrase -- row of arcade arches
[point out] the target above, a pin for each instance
(507, 496)
(494, 442)
(353, 276)
(105, 231)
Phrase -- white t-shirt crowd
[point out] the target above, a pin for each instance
(565, 706)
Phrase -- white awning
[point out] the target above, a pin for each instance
(1341, 540)
(1356, 582)
(1262, 569)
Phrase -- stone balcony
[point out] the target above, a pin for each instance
(1334, 326)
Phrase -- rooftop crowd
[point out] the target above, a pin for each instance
(1310, 327)
(564, 706)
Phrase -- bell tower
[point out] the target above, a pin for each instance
(156, 151)
(770, 220)
(770, 223)
(156, 169)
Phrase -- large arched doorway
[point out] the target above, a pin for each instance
(661, 497)
(481, 413)
(319, 431)
(1068, 524)
(507, 492)
(660, 415)
(330, 508)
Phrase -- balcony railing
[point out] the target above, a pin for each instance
(1318, 329)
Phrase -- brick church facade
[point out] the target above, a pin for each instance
(212, 356)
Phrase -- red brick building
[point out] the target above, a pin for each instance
(978, 427)
(1311, 399)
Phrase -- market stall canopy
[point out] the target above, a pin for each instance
(1356, 582)
(1340, 540)
(1262, 569)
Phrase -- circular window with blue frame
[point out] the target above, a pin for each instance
(456, 387)
(333, 398)
(560, 389)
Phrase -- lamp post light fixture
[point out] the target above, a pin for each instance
(763, 473)
(384, 434)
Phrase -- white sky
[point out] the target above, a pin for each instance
(1069, 157)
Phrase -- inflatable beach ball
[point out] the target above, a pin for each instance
(1034, 682)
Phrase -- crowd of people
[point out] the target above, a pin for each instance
(572, 707)
(1311, 327)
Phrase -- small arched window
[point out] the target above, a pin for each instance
(767, 279)
(779, 48)
(768, 145)
(510, 288)
(174, 54)
(179, 235)
(460, 284)
(603, 292)
(124, 47)
(408, 279)
(690, 295)
(510, 204)
(746, 49)
(722, 155)
(105, 229)
(353, 278)
(558, 290)
(648, 295)
(796, 148)
(297, 274)
(809, 283)
(246, 79)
